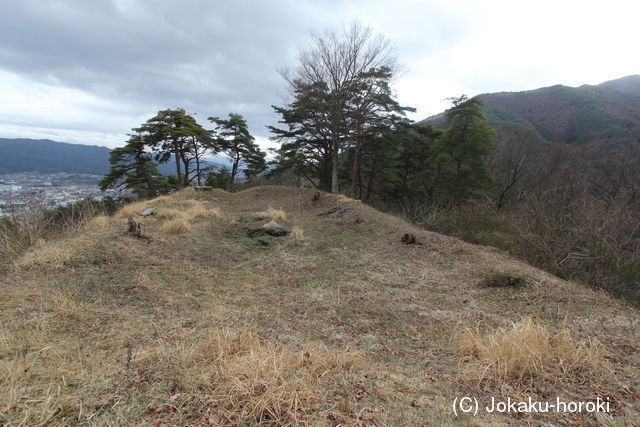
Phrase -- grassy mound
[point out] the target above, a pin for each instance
(341, 323)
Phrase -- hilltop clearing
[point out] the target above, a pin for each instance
(338, 321)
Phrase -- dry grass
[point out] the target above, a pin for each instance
(160, 199)
(527, 351)
(274, 214)
(181, 204)
(65, 306)
(53, 255)
(176, 226)
(202, 212)
(271, 225)
(132, 331)
(98, 222)
(500, 279)
(297, 233)
(132, 209)
(167, 213)
(248, 381)
(143, 280)
(341, 198)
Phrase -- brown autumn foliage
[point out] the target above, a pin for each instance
(572, 211)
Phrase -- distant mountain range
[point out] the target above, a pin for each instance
(608, 113)
(46, 156)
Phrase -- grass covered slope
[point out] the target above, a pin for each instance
(337, 322)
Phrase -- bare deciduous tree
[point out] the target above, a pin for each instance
(340, 60)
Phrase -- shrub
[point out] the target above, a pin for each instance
(219, 179)
(75, 215)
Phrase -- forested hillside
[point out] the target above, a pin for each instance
(46, 156)
(608, 113)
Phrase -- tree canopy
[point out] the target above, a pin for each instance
(176, 133)
(339, 91)
(232, 137)
(133, 168)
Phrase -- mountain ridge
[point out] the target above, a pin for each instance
(607, 113)
(48, 156)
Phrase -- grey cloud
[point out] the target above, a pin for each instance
(100, 67)
(205, 56)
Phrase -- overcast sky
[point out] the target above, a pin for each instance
(88, 71)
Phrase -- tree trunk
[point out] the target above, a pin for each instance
(325, 171)
(198, 167)
(355, 174)
(186, 172)
(178, 169)
(334, 167)
(234, 171)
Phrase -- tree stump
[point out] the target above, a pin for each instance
(135, 229)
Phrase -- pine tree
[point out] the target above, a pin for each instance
(133, 168)
(460, 154)
(233, 138)
(176, 133)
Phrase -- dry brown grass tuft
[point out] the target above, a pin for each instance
(166, 213)
(132, 209)
(65, 306)
(98, 223)
(247, 381)
(341, 198)
(176, 226)
(274, 214)
(54, 255)
(297, 233)
(143, 280)
(202, 212)
(528, 351)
